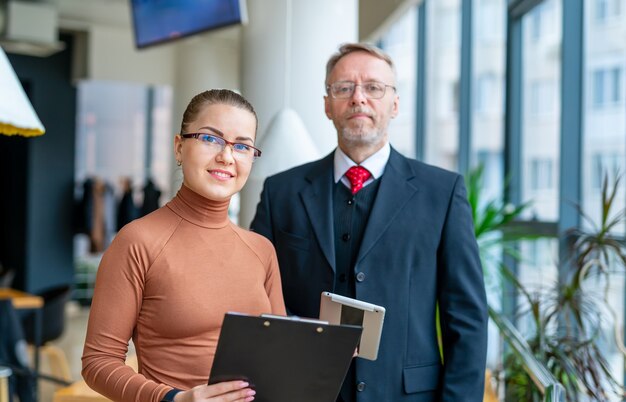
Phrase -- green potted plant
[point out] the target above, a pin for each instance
(566, 317)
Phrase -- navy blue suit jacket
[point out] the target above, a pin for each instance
(418, 250)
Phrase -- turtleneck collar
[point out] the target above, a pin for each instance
(198, 210)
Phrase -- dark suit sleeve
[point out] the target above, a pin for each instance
(462, 304)
(262, 222)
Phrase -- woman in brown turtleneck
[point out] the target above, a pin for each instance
(168, 278)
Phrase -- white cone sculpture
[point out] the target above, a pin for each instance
(286, 144)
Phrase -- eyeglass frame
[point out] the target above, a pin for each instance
(257, 152)
(330, 92)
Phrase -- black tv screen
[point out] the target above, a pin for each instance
(158, 21)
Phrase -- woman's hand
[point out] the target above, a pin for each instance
(230, 391)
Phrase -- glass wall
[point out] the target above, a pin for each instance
(540, 142)
(488, 57)
(541, 102)
(535, 124)
(400, 42)
(442, 83)
(487, 131)
(604, 140)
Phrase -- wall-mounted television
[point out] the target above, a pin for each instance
(159, 21)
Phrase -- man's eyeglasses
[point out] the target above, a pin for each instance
(345, 89)
(241, 151)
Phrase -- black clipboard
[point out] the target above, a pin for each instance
(285, 359)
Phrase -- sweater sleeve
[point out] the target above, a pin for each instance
(114, 310)
(273, 286)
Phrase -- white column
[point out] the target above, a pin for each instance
(285, 46)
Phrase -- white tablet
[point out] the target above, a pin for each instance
(338, 309)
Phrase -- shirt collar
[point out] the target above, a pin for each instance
(375, 164)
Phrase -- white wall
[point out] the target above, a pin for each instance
(112, 56)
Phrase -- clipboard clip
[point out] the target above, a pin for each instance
(293, 318)
(319, 329)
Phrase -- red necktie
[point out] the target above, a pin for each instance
(357, 176)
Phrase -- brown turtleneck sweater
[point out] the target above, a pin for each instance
(166, 281)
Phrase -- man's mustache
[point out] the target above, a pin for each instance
(360, 110)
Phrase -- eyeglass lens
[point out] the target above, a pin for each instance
(217, 144)
(345, 89)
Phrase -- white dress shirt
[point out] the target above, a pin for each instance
(375, 164)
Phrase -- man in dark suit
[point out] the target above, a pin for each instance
(369, 223)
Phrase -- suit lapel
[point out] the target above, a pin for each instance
(394, 192)
(318, 202)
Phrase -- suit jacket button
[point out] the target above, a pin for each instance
(360, 386)
(360, 277)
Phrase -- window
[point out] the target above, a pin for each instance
(542, 20)
(401, 44)
(486, 134)
(600, 10)
(541, 174)
(450, 20)
(541, 104)
(541, 252)
(490, 20)
(535, 23)
(606, 87)
(443, 50)
(104, 123)
(487, 93)
(604, 137)
(606, 9)
(542, 97)
(488, 71)
(455, 96)
(540, 142)
(609, 165)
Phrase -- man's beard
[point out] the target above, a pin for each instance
(360, 134)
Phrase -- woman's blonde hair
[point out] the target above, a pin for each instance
(215, 97)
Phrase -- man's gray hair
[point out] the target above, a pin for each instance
(348, 48)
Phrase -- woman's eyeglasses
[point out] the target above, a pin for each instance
(217, 144)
